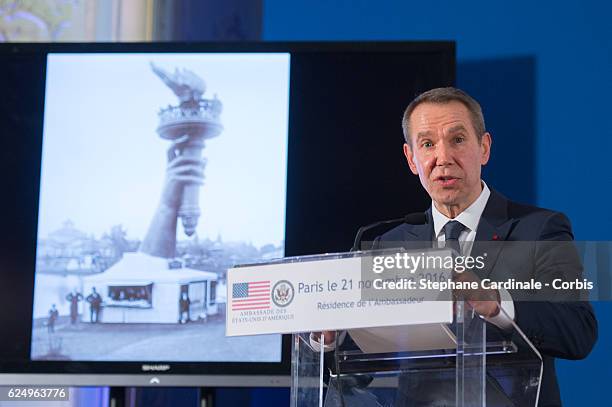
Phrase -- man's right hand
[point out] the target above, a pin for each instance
(329, 337)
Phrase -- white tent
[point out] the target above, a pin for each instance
(143, 289)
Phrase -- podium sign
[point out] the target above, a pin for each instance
(316, 293)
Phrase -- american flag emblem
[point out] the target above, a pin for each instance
(250, 296)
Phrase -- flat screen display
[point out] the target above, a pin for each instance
(134, 175)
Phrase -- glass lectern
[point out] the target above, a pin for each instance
(485, 366)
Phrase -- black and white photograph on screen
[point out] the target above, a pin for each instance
(159, 172)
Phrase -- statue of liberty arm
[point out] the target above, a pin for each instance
(160, 240)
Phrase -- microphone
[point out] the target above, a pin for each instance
(417, 218)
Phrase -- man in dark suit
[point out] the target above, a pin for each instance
(446, 146)
(565, 329)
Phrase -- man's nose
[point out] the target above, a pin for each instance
(444, 154)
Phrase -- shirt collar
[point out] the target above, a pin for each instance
(470, 217)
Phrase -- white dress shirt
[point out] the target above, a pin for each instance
(470, 218)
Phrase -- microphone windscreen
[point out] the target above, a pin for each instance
(418, 218)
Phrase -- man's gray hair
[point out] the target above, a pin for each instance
(443, 96)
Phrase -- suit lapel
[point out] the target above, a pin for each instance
(421, 233)
(494, 226)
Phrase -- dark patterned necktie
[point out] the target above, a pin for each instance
(452, 230)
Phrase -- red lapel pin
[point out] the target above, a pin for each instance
(495, 237)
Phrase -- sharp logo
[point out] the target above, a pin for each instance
(155, 368)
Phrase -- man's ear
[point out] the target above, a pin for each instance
(410, 159)
(485, 148)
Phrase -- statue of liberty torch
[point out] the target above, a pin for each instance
(187, 125)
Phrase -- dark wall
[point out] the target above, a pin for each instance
(207, 20)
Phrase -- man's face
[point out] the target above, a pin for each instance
(446, 154)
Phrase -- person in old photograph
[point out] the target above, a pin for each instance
(73, 298)
(184, 303)
(53, 316)
(95, 303)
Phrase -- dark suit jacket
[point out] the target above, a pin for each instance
(566, 330)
